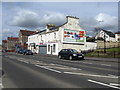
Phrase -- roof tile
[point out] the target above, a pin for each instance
(27, 32)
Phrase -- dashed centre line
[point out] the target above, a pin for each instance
(106, 65)
(87, 63)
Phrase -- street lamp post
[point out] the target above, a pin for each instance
(104, 43)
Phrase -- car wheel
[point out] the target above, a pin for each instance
(70, 57)
(83, 58)
(60, 57)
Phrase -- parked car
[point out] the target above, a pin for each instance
(27, 52)
(70, 54)
(21, 51)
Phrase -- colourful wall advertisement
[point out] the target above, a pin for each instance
(73, 36)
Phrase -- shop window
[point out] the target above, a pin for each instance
(48, 48)
(54, 48)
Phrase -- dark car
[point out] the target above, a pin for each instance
(27, 52)
(21, 51)
(70, 54)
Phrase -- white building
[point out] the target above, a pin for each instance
(53, 39)
(109, 36)
(117, 36)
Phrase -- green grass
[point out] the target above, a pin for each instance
(110, 53)
(113, 49)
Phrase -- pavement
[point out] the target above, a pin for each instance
(103, 59)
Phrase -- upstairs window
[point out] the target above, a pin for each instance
(54, 35)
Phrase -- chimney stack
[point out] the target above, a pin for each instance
(72, 19)
(49, 26)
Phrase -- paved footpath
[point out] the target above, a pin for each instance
(103, 59)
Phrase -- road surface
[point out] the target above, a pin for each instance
(40, 71)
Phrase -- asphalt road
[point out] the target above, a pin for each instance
(40, 71)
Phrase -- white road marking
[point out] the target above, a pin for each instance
(69, 60)
(20, 60)
(52, 64)
(1, 86)
(105, 65)
(86, 63)
(48, 68)
(114, 84)
(37, 61)
(58, 67)
(112, 75)
(26, 62)
(91, 75)
(75, 68)
(23, 61)
(102, 84)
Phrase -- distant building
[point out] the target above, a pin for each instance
(4, 44)
(12, 42)
(54, 38)
(117, 36)
(104, 34)
(23, 37)
(0, 47)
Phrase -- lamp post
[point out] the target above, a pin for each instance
(104, 43)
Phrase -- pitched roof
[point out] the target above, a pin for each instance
(109, 33)
(117, 33)
(27, 32)
(13, 38)
(4, 41)
(55, 28)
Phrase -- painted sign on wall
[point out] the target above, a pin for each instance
(73, 36)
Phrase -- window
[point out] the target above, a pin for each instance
(54, 48)
(48, 48)
(54, 35)
(41, 38)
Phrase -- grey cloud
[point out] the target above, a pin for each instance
(54, 18)
(108, 22)
(26, 19)
(102, 20)
(8, 33)
(29, 19)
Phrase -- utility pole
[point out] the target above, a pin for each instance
(104, 43)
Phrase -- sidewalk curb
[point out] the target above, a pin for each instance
(100, 59)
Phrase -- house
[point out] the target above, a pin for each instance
(54, 38)
(11, 43)
(104, 34)
(23, 37)
(117, 36)
(4, 44)
(0, 47)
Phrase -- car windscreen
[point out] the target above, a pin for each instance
(73, 51)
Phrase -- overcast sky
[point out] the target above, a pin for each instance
(35, 15)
